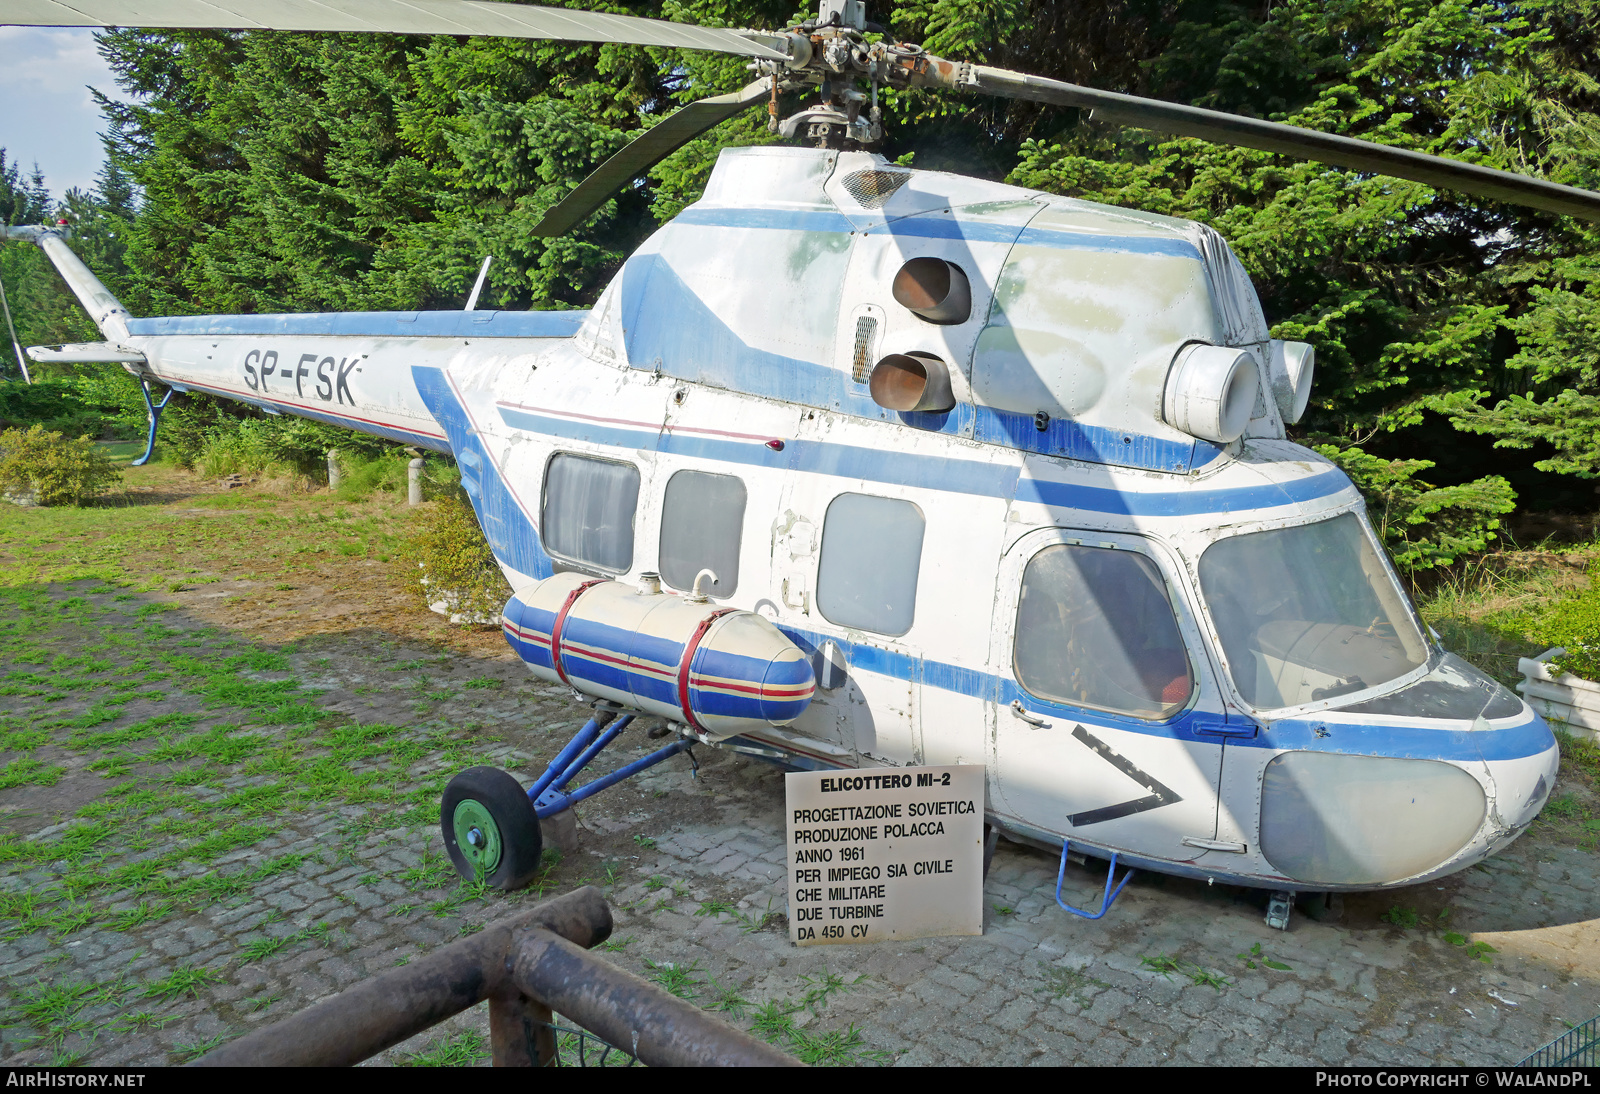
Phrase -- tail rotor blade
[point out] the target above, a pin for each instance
(1288, 140)
(16, 346)
(644, 152)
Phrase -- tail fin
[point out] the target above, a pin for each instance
(106, 310)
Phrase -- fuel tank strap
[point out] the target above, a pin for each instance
(561, 621)
(689, 649)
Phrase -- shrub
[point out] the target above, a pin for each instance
(239, 451)
(362, 474)
(1424, 526)
(53, 469)
(101, 401)
(449, 559)
(216, 439)
(1574, 623)
(189, 423)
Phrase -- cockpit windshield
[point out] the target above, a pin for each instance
(1308, 613)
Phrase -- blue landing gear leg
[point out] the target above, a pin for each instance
(491, 825)
(550, 795)
(1106, 899)
(153, 413)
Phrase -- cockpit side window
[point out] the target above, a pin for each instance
(1095, 628)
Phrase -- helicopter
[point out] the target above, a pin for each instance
(855, 466)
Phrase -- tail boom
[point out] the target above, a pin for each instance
(351, 369)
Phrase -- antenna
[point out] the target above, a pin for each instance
(15, 345)
(483, 272)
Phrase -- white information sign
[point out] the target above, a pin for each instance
(885, 853)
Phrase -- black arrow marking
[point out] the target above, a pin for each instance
(1159, 795)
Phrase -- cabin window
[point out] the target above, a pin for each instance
(1095, 628)
(588, 510)
(871, 552)
(702, 523)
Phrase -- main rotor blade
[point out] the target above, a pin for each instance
(466, 17)
(1288, 140)
(644, 152)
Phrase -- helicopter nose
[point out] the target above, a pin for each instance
(1522, 787)
(1335, 819)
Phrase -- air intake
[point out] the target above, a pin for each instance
(873, 188)
(1211, 392)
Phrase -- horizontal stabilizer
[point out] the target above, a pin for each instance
(84, 353)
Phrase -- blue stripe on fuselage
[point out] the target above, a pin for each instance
(1529, 738)
(935, 226)
(372, 324)
(935, 473)
(509, 530)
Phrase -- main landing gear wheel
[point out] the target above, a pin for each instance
(490, 829)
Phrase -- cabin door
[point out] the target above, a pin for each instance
(1101, 693)
(846, 563)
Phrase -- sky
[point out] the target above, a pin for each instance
(46, 112)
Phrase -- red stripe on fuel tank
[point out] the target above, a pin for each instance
(689, 649)
(561, 621)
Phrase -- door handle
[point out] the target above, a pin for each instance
(1034, 720)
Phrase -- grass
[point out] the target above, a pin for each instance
(189, 745)
(726, 999)
(185, 981)
(1490, 610)
(64, 1007)
(824, 984)
(1074, 984)
(839, 1048)
(462, 1050)
(1404, 918)
(193, 1050)
(1255, 956)
(675, 978)
(775, 1022)
(751, 923)
(774, 1019)
(259, 949)
(142, 1021)
(1197, 974)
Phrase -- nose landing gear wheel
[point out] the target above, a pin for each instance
(490, 829)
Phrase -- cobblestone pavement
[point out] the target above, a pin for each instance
(693, 865)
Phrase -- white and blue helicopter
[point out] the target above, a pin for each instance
(857, 466)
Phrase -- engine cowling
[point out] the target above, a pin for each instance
(722, 671)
